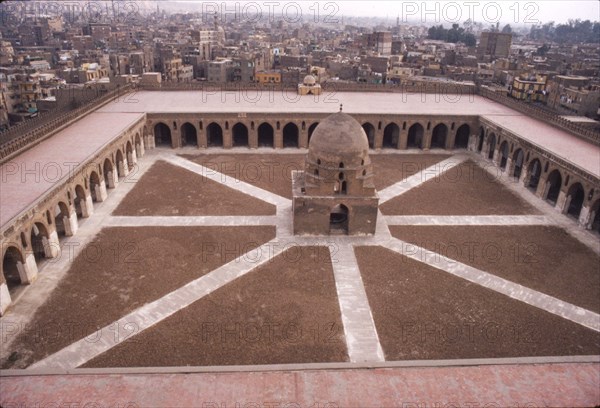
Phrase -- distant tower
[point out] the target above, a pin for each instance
(335, 194)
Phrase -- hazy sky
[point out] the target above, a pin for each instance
(429, 12)
(507, 11)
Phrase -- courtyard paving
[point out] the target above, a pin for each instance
(359, 319)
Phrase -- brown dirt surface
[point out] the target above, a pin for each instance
(170, 190)
(120, 271)
(543, 258)
(271, 172)
(423, 313)
(392, 168)
(464, 190)
(286, 311)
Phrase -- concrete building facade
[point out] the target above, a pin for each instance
(494, 45)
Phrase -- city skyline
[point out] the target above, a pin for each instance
(517, 13)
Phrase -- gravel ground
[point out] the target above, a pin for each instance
(170, 190)
(284, 312)
(543, 258)
(287, 312)
(121, 270)
(273, 172)
(423, 313)
(392, 168)
(465, 190)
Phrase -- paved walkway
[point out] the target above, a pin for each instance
(498, 220)
(359, 328)
(472, 385)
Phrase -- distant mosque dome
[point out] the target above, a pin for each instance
(309, 80)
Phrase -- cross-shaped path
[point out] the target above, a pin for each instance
(359, 327)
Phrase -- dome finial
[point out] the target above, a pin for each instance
(341, 106)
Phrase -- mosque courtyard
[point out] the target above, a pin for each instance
(192, 261)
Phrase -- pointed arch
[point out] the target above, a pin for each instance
(534, 172)
(439, 136)
(503, 154)
(12, 261)
(461, 140)
(311, 130)
(518, 159)
(291, 135)
(189, 135)
(391, 136)
(266, 135)
(370, 132)
(39, 238)
(339, 220)
(575, 199)
(214, 135)
(239, 133)
(415, 136)
(162, 135)
(491, 146)
(553, 186)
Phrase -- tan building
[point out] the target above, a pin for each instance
(575, 94)
(7, 53)
(529, 88)
(85, 73)
(555, 165)
(268, 77)
(175, 71)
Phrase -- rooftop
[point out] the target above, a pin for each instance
(570, 148)
(54, 160)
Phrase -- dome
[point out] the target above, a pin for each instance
(309, 80)
(339, 138)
